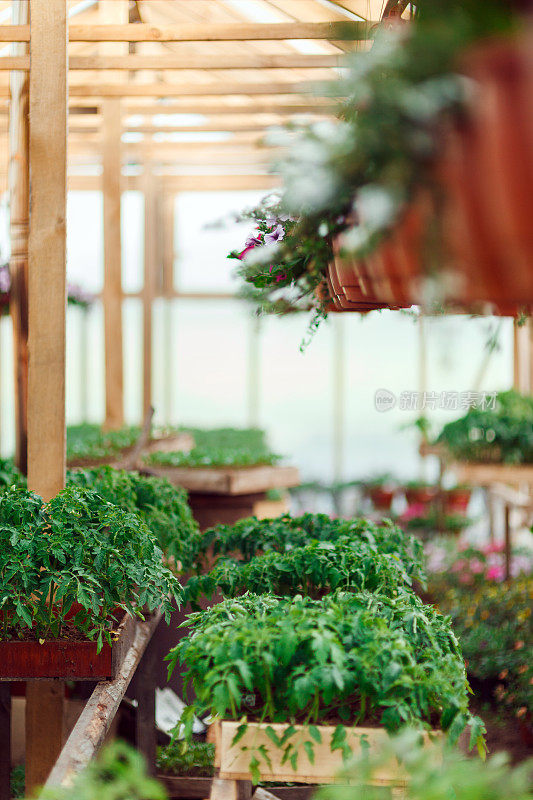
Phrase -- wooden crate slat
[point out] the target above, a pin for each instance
(229, 480)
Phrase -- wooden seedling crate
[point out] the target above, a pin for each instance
(229, 480)
(61, 658)
(233, 761)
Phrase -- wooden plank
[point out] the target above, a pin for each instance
(234, 761)
(47, 310)
(47, 248)
(186, 183)
(15, 33)
(213, 32)
(315, 105)
(145, 727)
(177, 62)
(178, 787)
(151, 235)
(112, 294)
(89, 732)
(19, 191)
(231, 481)
(487, 474)
(162, 89)
(15, 62)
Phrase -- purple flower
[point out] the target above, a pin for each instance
(275, 235)
(252, 241)
(5, 279)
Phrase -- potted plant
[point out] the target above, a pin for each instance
(381, 491)
(420, 492)
(275, 672)
(457, 499)
(501, 434)
(76, 572)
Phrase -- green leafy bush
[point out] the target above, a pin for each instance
(503, 434)
(250, 537)
(89, 442)
(220, 447)
(312, 570)
(187, 757)
(10, 475)
(354, 658)
(494, 624)
(163, 507)
(76, 549)
(119, 773)
(432, 773)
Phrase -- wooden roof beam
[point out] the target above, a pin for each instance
(193, 32)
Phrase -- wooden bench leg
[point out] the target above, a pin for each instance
(145, 731)
(5, 740)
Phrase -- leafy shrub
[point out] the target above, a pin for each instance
(220, 447)
(504, 434)
(77, 548)
(312, 570)
(182, 757)
(251, 536)
(10, 475)
(494, 623)
(433, 773)
(119, 773)
(354, 658)
(163, 507)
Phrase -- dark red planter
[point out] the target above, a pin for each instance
(381, 497)
(457, 500)
(61, 658)
(420, 494)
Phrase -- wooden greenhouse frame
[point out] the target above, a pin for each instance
(78, 83)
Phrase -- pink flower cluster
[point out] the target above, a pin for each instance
(490, 565)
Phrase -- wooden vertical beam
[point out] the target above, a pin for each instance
(19, 211)
(151, 264)
(112, 294)
(47, 318)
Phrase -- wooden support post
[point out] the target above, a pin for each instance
(145, 732)
(47, 316)
(5, 741)
(507, 511)
(112, 294)
(152, 249)
(19, 209)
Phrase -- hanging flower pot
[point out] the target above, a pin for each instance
(457, 500)
(487, 174)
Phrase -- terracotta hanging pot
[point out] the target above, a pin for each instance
(487, 174)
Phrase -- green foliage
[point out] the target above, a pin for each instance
(312, 570)
(187, 757)
(18, 777)
(251, 537)
(220, 447)
(10, 475)
(432, 773)
(118, 774)
(494, 623)
(88, 441)
(355, 658)
(163, 507)
(76, 549)
(504, 434)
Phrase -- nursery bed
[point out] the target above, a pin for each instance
(233, 761)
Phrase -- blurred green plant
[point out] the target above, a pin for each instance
(432, 773)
